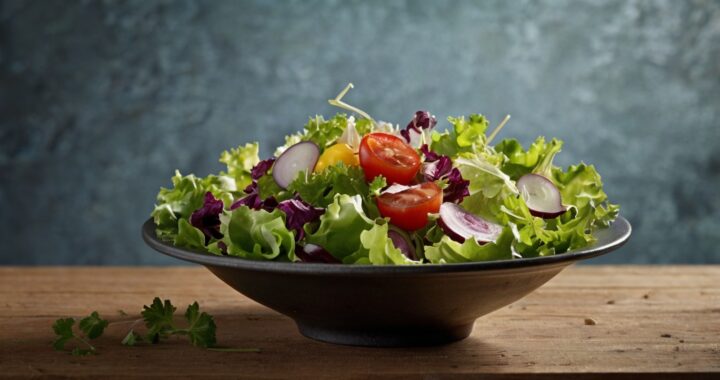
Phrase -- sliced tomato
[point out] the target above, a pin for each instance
(388, 155)
(409, 208)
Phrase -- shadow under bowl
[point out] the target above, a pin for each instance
(387, 306)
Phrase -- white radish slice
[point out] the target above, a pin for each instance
(541, 196)
(460, 225)
(299, 157)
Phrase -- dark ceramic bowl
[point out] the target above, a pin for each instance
(389, 305)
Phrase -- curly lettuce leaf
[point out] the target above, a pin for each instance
(467, 135)
(377, 248)
(189, 236)
(340, 226)
(319, 189)
(240, 162)
(449, 251)
(581, 191)
(186, 196)
(257, 234)
(518, 162)
(581, 186)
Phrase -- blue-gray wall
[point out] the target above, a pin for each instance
(101, 100)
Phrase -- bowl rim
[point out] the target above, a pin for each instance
(611, 238)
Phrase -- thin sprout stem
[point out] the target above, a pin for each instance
(337, 102)
(497, 129)
(343, 92)
(90, 346)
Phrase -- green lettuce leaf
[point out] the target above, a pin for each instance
(449, 251)
(257, 234)
(319, 189)
(518, 162)
(340, 226)
(186, 196)
(581, 190)
(325, 132)
(363, 126)
(377, 248)
(489, 185)
(239, 162)
(467, 135)
(189, 236)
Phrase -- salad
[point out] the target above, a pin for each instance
(354, 190)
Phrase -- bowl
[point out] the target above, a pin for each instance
(388, 306)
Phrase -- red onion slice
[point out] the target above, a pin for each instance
(299, 157)
(459, 225)
(402, 242)
(541, 196)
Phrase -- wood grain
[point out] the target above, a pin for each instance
(589, 322)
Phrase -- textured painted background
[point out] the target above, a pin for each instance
(101, 101)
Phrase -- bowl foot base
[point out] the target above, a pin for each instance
(392, 337)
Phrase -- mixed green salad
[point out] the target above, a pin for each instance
(354, 190)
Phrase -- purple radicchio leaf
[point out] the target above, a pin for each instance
(207, 217)
(297, 214)
(421, 120)
(261, 168)
(430, 156)
(252, 199)
(433, 171)
(439, 167)
(457, 187)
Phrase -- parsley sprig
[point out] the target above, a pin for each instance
(159, 320)
(91, 327)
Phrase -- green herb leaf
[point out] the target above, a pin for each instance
(93, 326)
(158, 319)
(63, 330)
(202, 327)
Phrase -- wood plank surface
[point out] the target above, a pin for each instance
(589, 322)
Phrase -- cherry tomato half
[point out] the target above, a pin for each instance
(409, 209)
(389, 156)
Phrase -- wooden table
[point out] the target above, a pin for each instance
(589, 322)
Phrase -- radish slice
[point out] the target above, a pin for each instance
(402, 242)
(459, 225)
(299, 157)
(541, 196)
